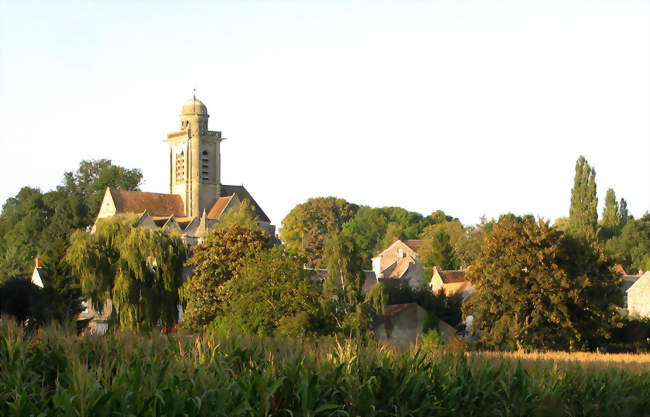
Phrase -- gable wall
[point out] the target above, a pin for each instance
(638, 297)
(391, 255)
(107, 208)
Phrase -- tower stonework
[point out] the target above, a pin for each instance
(195, 160)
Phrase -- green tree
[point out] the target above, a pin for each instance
(90, 180)
(215, 262)
(410, 223)
(33, 223)
(596, 288)
(583, 216)
(440, 253)
(244, 216)
(271, 295)
(632, 247)
(22, 222)
(536, 290)
(305, 227)
(622, 211)
(366, 229)
(463, 252)
(393, 232)
(561, 224)
(341, 296)
(439, 216)
(138, 269)
(610, 222)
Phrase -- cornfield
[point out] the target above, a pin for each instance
(53, 372)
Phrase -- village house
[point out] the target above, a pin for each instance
(452, 282)
(399, 262)
(403, 324)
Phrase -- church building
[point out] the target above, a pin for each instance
(196, 199)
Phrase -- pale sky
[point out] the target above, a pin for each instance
(473, 107)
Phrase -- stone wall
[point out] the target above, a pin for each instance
(638, 297)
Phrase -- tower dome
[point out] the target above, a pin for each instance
(194, 106)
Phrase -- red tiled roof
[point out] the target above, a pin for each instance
(400, 268)
(153, 203)
(449, 277)
(414, 244)
(218, 207)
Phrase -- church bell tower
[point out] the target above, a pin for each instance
(195, 160)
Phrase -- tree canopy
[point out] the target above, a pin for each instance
(271, 295)
(33, 223)
(440, 252)
(215, 262)
(305, 227)
(534, 289)
(631, 248)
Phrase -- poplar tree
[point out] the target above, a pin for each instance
(583, 216)
(611, 220)
(622, 211)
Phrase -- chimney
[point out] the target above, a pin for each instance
(38, 263)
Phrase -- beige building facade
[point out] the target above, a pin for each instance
(451, 282)
(399, 263)
(638, 297)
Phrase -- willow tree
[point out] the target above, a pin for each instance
(138, 269)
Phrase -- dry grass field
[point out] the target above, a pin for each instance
(628, 361)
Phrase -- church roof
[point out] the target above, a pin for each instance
(155, 204)
(219, 206)
(242, 194)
